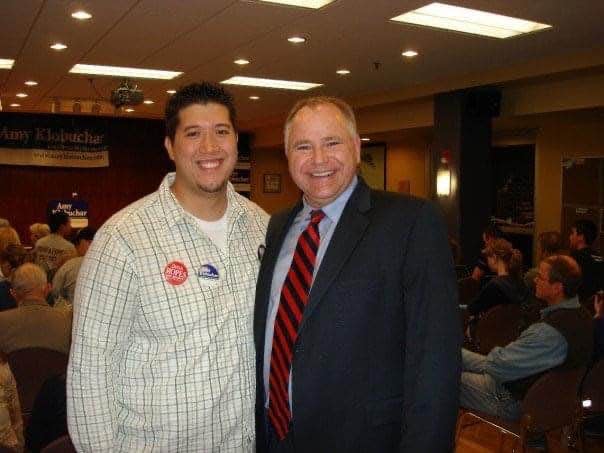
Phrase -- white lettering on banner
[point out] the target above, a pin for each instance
(46, 134)
(20, 135)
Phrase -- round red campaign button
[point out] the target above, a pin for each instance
(176, 273)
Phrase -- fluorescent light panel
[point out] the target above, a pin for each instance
(314, 4)
(81, 15)
(456, 18)
(6, 63)
(118, 71)
(270, 83)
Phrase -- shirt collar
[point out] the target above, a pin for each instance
(333, 210)
(32, 301)
(573, 302)
(175, 213)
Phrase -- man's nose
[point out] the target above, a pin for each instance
(207, 142)
(319, 155)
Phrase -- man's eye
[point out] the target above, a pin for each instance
(332, 143)
(192, 134)
(223, 132)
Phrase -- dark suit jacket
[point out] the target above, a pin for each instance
(376, 364)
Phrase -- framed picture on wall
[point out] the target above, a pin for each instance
(272, 183)
(373, 165)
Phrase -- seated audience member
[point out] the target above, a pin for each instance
(8, 236)
(50, 249)
(48, 419)
(507, 287)
(582, 235)
(11, 424)
(33, 324)
(10, 259)
(64, 281)
(563, 338)
(38, 231)
(550, 244)
(599, 326)
(482, 269)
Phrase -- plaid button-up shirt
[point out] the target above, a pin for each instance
(163, 357)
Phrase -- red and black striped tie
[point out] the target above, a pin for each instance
(294, 296)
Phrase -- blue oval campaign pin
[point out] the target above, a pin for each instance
(208, 271)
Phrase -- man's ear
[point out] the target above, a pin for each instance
(168, 145)
(357, 149)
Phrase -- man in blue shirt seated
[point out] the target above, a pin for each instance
(563, 338)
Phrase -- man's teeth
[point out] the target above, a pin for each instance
(323, 173)
(209, 164)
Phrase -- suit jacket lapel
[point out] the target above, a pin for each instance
(349, 230)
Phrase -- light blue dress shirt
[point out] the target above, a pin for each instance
(332, 211)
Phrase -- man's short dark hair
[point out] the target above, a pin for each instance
(564, 270)
(86, 233)
(56, 220)
(197, 93)
(587, 228)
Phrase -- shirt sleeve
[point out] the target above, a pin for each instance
(432, 364)
(105, 300)
(539, 348)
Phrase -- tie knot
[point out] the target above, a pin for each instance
(316, 216)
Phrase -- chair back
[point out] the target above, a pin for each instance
(497, 327)
(31, 368)
(61, 445)
(551, 402)
(467, 290)
(592, 388)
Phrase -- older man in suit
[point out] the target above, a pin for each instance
(356, 325)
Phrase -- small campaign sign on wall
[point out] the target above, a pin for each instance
(77, 210)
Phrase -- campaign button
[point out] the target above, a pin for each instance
(176, 273)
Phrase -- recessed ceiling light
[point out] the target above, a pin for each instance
(270, 83)
(241, 61)
(6, 63)
(14, 104)
(31, 83)
(365, 139)
(409, 53)
(58, 46)
(148, 102)
(296, 39)
(314, 4)
(171, 91)
(456, 18)
(254, 98)
(118, 71)
(343, 71)
(21, 95)
(81, 15)
(129, 110)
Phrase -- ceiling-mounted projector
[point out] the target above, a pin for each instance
(127, 93)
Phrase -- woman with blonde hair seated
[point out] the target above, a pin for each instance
(37, 231)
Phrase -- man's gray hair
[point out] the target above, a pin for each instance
(314, 102)
(28, 277)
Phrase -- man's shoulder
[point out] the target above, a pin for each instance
(254, 212)
(145, 209)
(383, 198)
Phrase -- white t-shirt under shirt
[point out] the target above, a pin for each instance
(216, 230)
